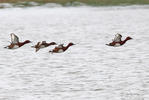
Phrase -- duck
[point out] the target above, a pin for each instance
(118, 42)
(60, 48)
(42, 44)
(14, 44)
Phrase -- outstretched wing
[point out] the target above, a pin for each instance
(36, 46)
(117, 38)
(14, 38)
(37, 49)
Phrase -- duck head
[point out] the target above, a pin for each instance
(70, 44)
(128, 38)
(27, 41)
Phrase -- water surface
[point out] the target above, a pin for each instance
(90, 70)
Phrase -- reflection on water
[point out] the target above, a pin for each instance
(89, 70)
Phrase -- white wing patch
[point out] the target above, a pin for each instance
(15, 47)
(14, 39)
(117, 44)
(60, 51)
(117, 38)
(42, 46)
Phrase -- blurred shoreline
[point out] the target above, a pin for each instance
(28, 3)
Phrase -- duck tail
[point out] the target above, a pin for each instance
(6, 47)
(51, 52)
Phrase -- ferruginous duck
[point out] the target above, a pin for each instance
(117, 41)
(61, 48)
(15, 42)
(43, 44)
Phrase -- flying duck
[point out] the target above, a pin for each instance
(14, 44)
(43, 44)
(61, 48)
(117, 40)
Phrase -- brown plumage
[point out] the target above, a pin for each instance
(42, 44)
(15, 42)
(119, 43)
(61, 48)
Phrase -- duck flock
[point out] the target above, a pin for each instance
(59, 48)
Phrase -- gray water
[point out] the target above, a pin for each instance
(89, 70)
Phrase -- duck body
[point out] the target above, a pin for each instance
(43, 44)
(16, 45)
(15, 42)
(61, 48)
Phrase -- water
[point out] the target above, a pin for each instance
(90, 70)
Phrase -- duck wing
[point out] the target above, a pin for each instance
(36, 46)
(60, 46)
(37, 49)
(14, 38)
(117, 38)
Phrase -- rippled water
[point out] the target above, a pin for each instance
(90, 70)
